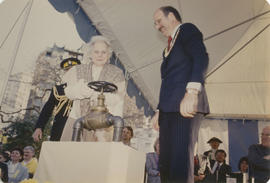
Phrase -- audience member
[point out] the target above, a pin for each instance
(16, 171)
(29, 161)
(57, 105)
(214, 143)
(152, 168)
(127, 134)
(4, 157)
(243, 170)
(3, 138)
(259, 158)
(97, 69)
(218, 170)
(243, 165)
(3, 171)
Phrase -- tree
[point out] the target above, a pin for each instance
(20, 132)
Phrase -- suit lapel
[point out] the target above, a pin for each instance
(166, 50)
(166, 54)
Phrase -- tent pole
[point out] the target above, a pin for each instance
(13, 58)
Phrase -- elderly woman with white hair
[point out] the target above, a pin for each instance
(96, 68)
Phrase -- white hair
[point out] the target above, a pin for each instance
(88, 47)
(29, 148)
(103, 39)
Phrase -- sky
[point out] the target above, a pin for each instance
(44, 28)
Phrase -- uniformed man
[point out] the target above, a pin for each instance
(214, 143)
(58, 105)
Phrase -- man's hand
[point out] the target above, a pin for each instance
(201, 177)
(189, 104)
(267, 157)
(37, 135)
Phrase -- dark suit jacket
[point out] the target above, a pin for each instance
(259, 167)
(224, 170)
(59, 119)
(4, 172)
(186, 62)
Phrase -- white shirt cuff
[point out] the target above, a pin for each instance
(194, 85)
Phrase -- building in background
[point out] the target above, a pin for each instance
(16, 96)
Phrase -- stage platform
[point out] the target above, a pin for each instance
(90, 162)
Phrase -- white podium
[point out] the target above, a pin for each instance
(89, 162)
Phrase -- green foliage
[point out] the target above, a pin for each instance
(20, 132)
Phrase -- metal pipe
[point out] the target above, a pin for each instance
(77, 129)
(116, 121)
(118, 124)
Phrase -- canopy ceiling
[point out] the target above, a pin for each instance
(241, 86)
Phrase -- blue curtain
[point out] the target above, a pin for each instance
(242, 134)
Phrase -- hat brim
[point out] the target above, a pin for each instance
(214, 140)
(74, 61)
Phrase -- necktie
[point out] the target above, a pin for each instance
(169, 42)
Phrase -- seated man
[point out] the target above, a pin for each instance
(29, 161)
(127, 134)
(218, 169)
(259, 158)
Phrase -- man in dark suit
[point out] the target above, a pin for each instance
(183, 101)
(259, 158)
(218, 170)
(58, 105)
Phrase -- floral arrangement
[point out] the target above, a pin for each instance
(32, 181)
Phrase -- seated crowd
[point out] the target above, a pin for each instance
(17, 164)
(211, 166)
(255, 167)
